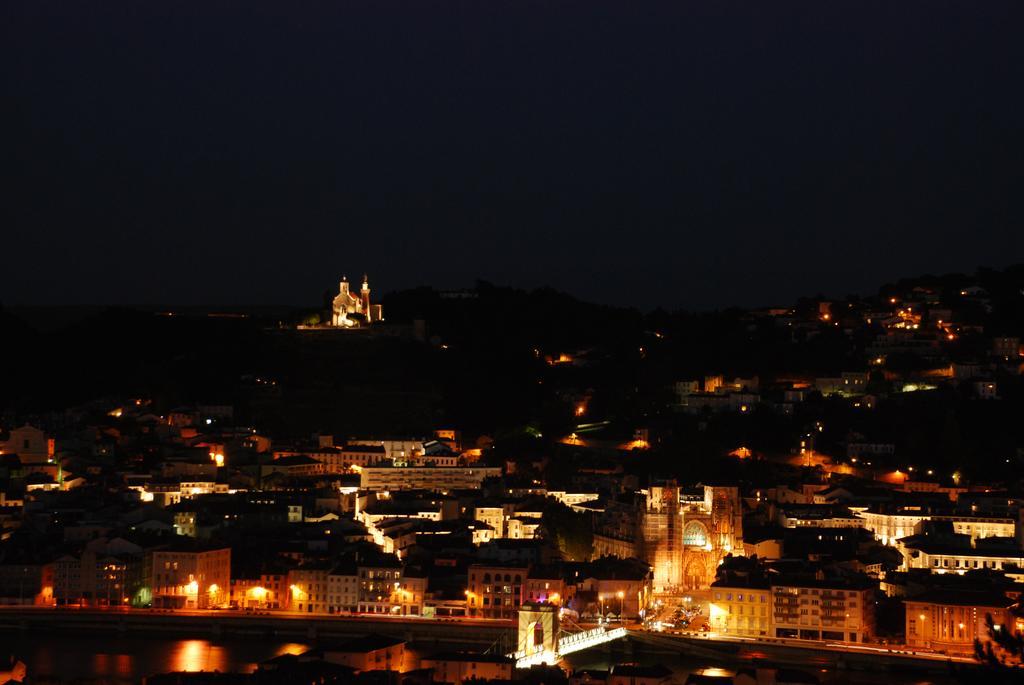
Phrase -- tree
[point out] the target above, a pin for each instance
(569, 530)
(1002, 655)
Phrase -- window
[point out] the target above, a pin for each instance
(695, 534)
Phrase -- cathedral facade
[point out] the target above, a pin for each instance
(686, 536)
(712, 528)
(347, 303)
(682, 533)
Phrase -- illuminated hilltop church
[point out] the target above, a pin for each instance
(346, 303)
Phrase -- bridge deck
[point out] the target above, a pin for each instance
(567, 644)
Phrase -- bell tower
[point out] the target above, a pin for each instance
(365, 293)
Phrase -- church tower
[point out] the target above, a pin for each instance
(365, 292)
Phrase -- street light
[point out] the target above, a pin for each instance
(259, 593)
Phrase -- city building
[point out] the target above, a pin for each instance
(439, 479)
(27, 583)
(308, 588)
(380, 578)
(820, 608)
(741, 607)
(105, 573)
(32, 445)
(190, 577)
(950, 621)
(459, 667)
(495, 591)
(267, 591)
(369, 653)
(943, 557)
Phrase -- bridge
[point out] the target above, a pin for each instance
(542, 641)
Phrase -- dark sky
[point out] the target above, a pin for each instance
(695, 154)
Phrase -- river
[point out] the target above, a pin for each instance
(108, 660)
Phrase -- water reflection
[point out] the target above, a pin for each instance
(106, 660)
(119, 664)
(291, 648)
(203, 655)
(198, 655)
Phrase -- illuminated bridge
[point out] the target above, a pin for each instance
(541, 640)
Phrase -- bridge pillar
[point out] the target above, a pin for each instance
(538, 630)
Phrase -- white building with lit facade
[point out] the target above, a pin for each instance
(347, 303)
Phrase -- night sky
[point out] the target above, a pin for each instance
(684, 154)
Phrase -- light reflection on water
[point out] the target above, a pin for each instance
(124, 660)
(203, 655)
(108, 660)
(198, 655)
(682, 665)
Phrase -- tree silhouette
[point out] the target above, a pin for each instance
(1001, 655)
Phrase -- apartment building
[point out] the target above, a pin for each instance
(436, 478)
(495, 591)
(741, 607)
(818, 608)
(191, 577)
(308, 588)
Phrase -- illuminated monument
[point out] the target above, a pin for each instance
(662, 524)
(685, 537)
(712, 528)
(347, 303)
